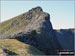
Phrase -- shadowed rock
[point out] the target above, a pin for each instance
(34, 28)
(45, 36)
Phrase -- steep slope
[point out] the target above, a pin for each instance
(66, 38)
(33, 20)
(18, 48)
(22, 21)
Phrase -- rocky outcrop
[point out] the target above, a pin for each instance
(45, 38)
(34, 28)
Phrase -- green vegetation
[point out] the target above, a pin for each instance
(12, 29)
(57, 30)
(19, 22)
(4, 25)
(19, 47)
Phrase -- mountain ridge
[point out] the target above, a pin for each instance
(34, 28)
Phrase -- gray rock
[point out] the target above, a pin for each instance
(45, 39)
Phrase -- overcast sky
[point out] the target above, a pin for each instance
(61, 12)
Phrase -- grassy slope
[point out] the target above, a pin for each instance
(19, 47)
(6, 24)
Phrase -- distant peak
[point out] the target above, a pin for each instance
(38, 8)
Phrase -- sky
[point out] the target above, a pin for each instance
(61, 12)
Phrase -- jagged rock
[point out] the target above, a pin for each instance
(33, 27)
(35, 19)
(40, 22)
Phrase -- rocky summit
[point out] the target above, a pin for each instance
(34, 28)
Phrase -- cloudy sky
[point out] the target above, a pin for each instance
(61, 12)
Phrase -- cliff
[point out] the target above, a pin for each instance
(34, 28)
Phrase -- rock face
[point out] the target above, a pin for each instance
(34, 28)
(45, 38)
(35, 20)
(66, 38)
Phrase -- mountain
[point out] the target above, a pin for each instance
(66, 38)
(35, 29)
